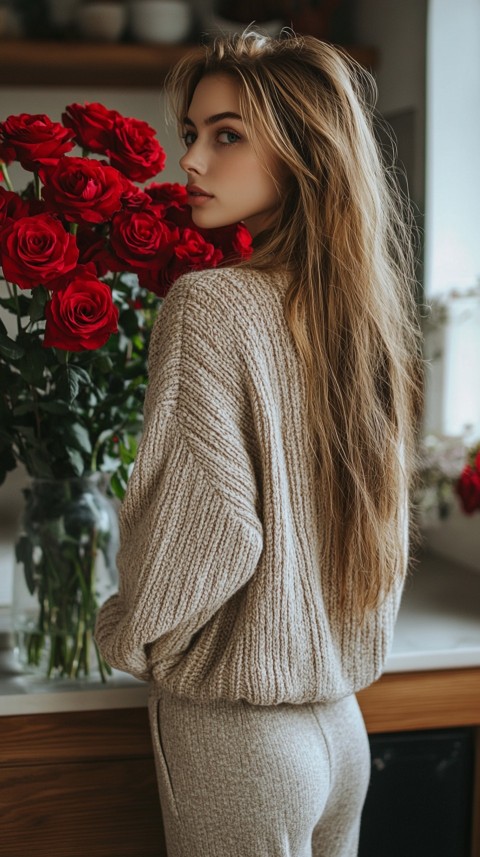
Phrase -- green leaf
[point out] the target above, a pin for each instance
(117, 485)
(10, 349)
(68, 384)
(24, 555)
(128, 320)
(62, 355)
(37, 305)
(79, 437)
(103, 364)
(11, 305)
(82, 375)
(39, 464)
(32, 366)
(27, 431)
(54, 407)
(24, 408)
(75, 460)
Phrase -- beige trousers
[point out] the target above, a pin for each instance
(242, 780)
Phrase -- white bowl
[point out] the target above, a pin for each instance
(102, 22)
(160, 21)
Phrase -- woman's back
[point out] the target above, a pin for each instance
(239, 598)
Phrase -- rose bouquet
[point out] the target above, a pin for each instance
(467, 486)
(87, 255)
(445, 479)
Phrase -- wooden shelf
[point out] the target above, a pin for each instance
(32, 63)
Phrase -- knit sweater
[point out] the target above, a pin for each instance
(222, 589)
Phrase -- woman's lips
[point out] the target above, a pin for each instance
(197, 196)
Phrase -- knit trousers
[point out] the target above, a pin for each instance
(243, 780)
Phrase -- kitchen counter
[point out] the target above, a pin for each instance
(438, 628)
(438, 625)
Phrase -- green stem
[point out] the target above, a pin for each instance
(73, 228)
(66, 591)
(96, 449)
(4, 171)
(102, 666)
(74, 664)
(13, 293)
(37, 186)
(38, 419)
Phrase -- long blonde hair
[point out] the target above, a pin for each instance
(344, 233)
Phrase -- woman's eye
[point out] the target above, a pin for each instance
(229, 137)
(188, 138)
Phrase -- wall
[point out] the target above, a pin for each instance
(452, 257)
(398, 30)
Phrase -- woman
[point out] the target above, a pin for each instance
(265, 529)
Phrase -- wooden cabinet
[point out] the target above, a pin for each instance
(79, 784)
(83, 783)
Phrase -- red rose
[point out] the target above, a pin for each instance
(170, 201)
(12, 206)
(134, 150)
(468, 488)
(168, 194)
(234, 241)
(92, 125)
(82, 189)
(133, 197)
(191, 253)
(81, 316)
(35, 250)
(242, 242)
(196, 251)
(34, 140)
(159, 280)
(142, 240)
(92, 248)
(36, 206)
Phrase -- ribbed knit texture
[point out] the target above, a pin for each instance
(223, 591)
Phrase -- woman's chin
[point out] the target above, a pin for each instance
(204, 221)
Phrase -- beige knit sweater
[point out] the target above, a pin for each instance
(222, 589)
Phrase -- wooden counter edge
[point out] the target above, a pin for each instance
(430, 699)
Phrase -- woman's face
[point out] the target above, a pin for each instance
(226, 181)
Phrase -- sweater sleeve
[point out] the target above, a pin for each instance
(188, 542)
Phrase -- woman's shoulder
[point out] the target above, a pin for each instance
(228, 290)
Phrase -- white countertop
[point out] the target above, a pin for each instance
(438, 627)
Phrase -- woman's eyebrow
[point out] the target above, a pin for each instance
(217, 117)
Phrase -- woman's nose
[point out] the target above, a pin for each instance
(192, 161)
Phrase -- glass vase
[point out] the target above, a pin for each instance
(65, 569)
